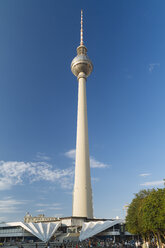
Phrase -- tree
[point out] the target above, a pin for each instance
(153, 214)
(146, 215)
(133, 219)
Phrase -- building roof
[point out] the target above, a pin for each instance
(90, 229)
(43, 231)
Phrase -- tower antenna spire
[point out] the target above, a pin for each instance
(81, 32)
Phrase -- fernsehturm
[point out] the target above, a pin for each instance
(81, 67)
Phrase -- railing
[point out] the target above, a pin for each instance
(12, 230)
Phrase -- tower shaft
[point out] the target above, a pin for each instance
(82, 195)
(82, 67)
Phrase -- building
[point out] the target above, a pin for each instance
(81, 225)
(40, 218)
(67, 229)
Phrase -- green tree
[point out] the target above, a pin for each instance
(133, 218)
(146, 215)
(153, 214)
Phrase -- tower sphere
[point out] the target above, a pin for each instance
(81, 63)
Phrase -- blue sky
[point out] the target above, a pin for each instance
(38, 103)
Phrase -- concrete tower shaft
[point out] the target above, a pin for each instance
(81, 67)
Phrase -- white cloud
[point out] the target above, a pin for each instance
(54, 208)
(5, 183)
(58, 215)
(71, 154)
(40, 210)
(93, 162)
(42, 156)
(152, 66)
(10, 205)
(48, 205)
(96, 164)
(14, 173)
(153, 183)
(144, 174)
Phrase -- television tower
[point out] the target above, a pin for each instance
(82, 67)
